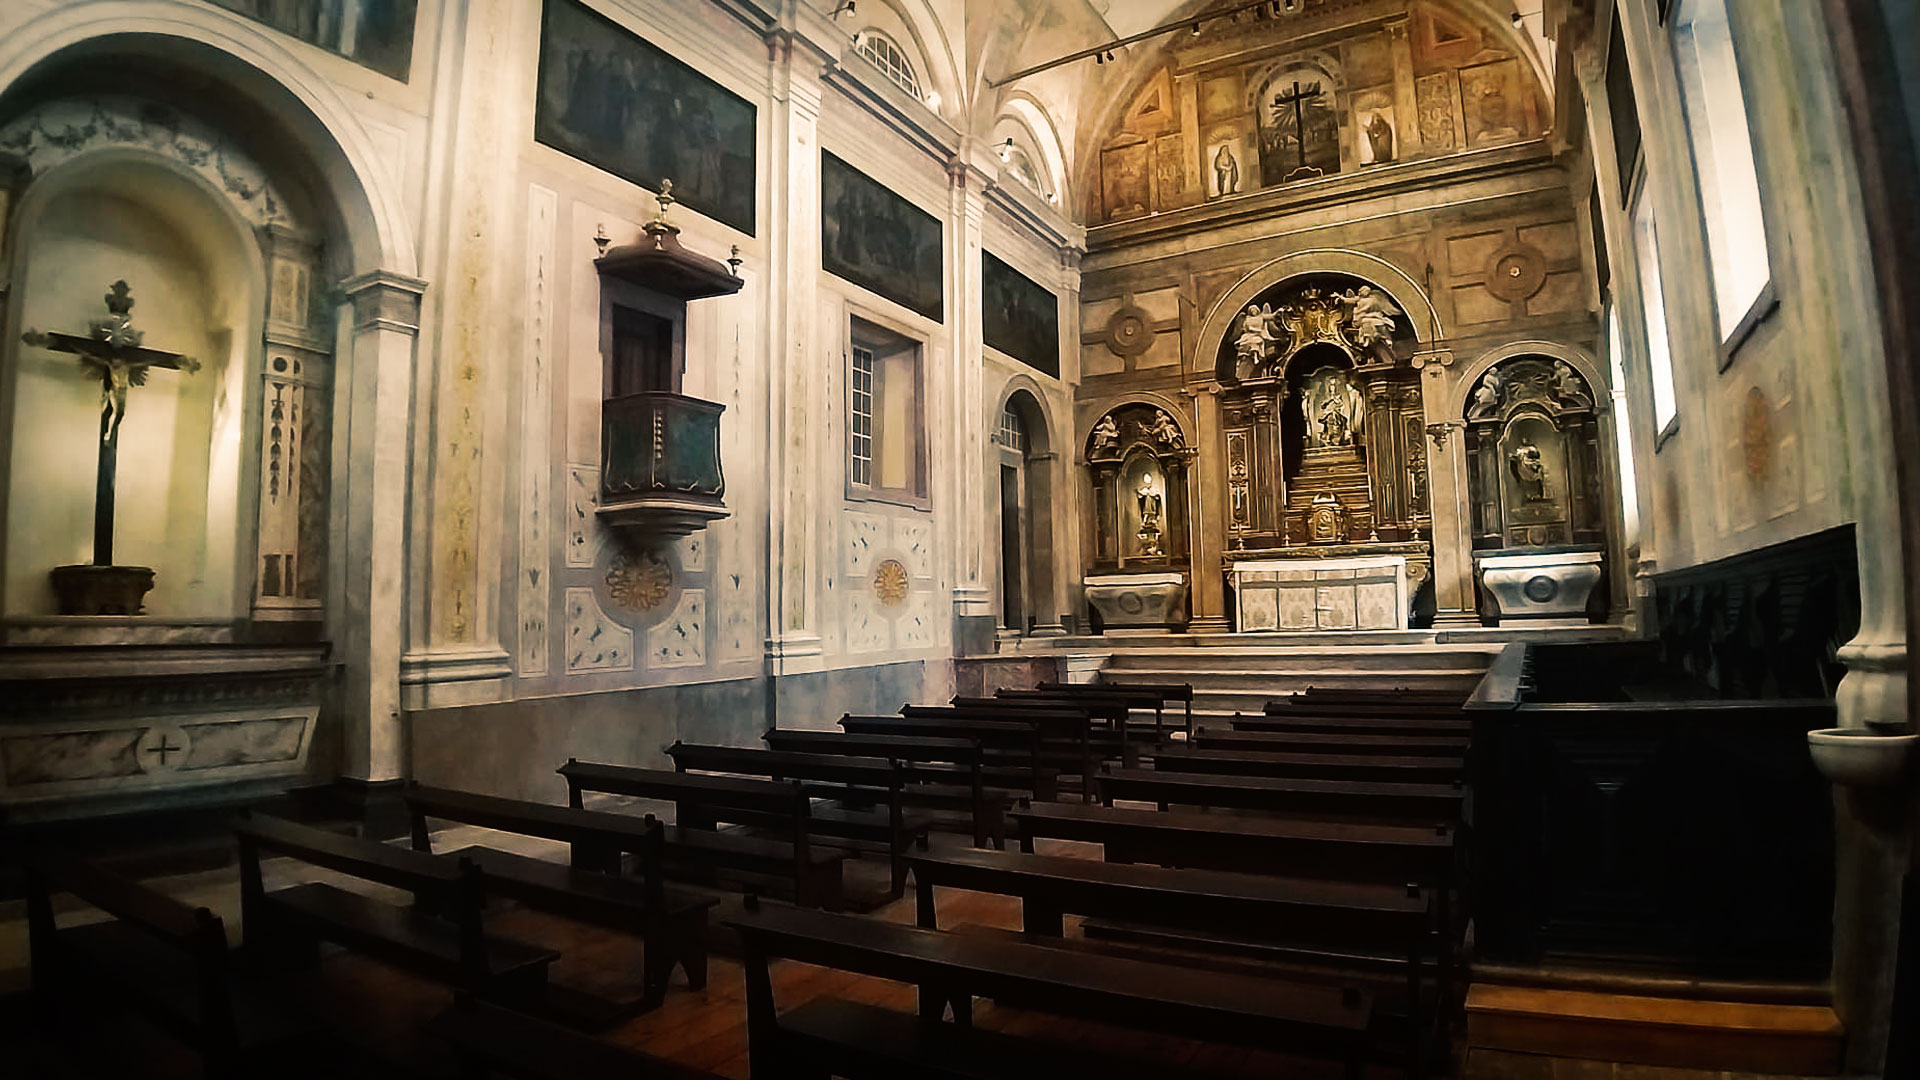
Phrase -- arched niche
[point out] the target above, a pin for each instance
(222, 477)
(1534, 459)
(1321, 407)
(1024, 477)
(1138, 462)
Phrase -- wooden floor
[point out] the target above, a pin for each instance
(380, 1010)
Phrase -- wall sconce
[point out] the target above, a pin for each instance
(933, 100)
(845, 7)
(1006, 150)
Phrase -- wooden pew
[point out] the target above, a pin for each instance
(672, 922)
(703, 802)
(1341, 799)
(1381, 936)
(831, 1036)
(1309, 742)
(159, 957)
(1114, 704)
(451, 945)
(930, 757)
(1354, 724)
(1003, 743)
(1165, 692)
(489, 1040)
(1062, 734)
(1411, 769)
(1339, 850)
(1389, 854)
(861, 780)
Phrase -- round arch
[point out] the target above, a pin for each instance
(1174, 410)
(1373, 269)
(924, 29)
(1576, 357)
(369, 213)
(1024, 110)
(1040, 442)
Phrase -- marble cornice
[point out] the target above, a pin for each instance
(893, 107)
(1344, 189)
(24, 663)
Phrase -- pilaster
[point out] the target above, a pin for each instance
(372, 407)
(1206, 509)
(797, 408)
(1447, 491)
(967, 194)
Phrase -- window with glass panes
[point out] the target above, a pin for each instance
(862, 429)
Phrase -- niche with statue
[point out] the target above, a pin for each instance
(1534, 472)
(1138, 459)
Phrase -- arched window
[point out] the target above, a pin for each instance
(1013, 431)
(889, 58)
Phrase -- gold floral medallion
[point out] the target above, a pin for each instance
(890, 582)
(639, 582)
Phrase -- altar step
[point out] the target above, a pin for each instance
(1243, 679)
(1516, 1023)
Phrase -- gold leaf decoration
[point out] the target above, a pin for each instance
(639, 582)
(890, 582)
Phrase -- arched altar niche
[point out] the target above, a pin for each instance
(221, 447)
(1321, 403)
(1534, 475)
(1139, 462)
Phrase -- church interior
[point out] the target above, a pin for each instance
(959, 538)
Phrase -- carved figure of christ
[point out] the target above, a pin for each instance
(113, 354)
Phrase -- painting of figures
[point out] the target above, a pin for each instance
(878, 240)
(618, 103)
(373, 33)
(1019, 316)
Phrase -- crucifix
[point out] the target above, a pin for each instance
(1298, 98)
(112, 353)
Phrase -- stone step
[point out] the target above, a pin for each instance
(1381, 665)
(1745, 1037)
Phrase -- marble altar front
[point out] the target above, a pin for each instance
(1367, 592)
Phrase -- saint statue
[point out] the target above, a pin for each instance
(1380, 139)
(1226, 171)
(1333, 408)
(1530, 468)
(1149, 534)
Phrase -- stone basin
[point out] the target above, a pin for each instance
(1861, 757)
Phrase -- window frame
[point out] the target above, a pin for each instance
(887, 345)
(1766, 299)
(892, 66)
(1642, 198)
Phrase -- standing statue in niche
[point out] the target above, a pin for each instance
(1149, 534)
(1530, 468)
(1380, 139)
(1333, 408)
(1226, 171)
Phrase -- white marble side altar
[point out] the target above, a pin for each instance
(1366, 592)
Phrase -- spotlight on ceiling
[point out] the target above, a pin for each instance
(1006, 150)
(933, 100)
(1196, 29)
(1517, 17)
(845, 7)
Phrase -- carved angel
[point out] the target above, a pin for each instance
(1253, 346)
(1486, 397)
(1373, 316)
(1164, 433)
(1106, 437)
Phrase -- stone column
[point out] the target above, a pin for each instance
(796, 402)
(1207, 510)
(373, 402)
(1406, 109)
(1447, 492)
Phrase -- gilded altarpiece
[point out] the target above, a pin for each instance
(1322, 426)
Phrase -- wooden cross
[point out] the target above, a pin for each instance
(1298, 98)
(113, 354)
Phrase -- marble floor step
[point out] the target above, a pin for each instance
(1746, 1037)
